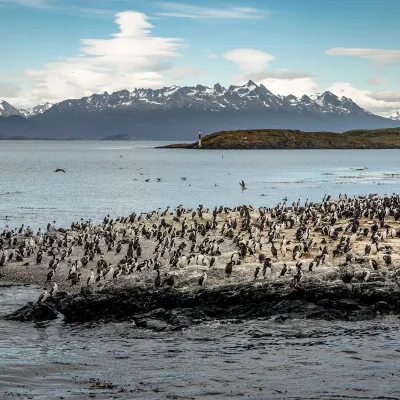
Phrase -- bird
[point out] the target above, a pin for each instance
(50, 275)
(284, 270)
(256, 273)
(242, 185)
(91, 279)
(59, 170)
(228, 269)
(54, 290)
(44, 296)
(157, 281)
(203, 279)
(75, 279)
(170, 280)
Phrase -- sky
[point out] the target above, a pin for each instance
(52, 50)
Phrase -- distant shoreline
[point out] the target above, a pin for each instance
(119, 137)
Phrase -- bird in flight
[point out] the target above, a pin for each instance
(242, 185)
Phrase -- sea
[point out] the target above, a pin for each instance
(273, 359)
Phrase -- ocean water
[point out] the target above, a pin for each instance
(109, 178)
(295, 359)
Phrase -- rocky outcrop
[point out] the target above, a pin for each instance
(169, 309)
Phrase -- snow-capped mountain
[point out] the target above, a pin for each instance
(395, 116)
(175, 113)
(40, 109)
(7, 110)
(217, 98)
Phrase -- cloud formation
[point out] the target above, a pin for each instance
(383, 102)
(182, 10)
(179, 73)
(249, 60)
(8, 89)
(131, 58)
(254, 65)
(388, 96)
(380, 56)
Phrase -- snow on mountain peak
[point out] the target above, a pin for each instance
(395, 116)
(215, 98)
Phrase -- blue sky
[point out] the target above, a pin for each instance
(291, 46)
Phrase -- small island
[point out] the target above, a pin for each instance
(254, 139)
(168, 269)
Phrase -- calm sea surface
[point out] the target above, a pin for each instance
(295, 359)
(109, 177)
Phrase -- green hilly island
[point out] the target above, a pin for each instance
(295, 139)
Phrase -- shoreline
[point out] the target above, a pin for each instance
(190, 244)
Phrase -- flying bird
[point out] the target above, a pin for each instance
(60, 170)
(242, 185)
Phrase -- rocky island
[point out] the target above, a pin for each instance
(166, 270)
(295, 139)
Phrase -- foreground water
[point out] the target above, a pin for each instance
(295, 359)
(109, 177)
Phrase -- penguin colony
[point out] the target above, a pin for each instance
(349, 239)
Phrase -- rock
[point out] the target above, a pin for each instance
(381, 306)
(153, 324)
(35, 312)
(168, 309)
(347, 304)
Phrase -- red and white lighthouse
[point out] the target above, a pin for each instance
(199, 137)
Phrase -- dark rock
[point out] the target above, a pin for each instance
(169, 309)
(347, 304)
(153, 324)
(381, 306)
(35, 312)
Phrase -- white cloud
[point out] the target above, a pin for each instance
(130, 58)
(179, 73)
(254, 64)
(387, 96)
(8, 89)
(371, 101)
(377, 81)
(249, 60)
(380, 56)
(181, 10)
(297, 86)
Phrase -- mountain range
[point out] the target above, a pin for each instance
(176, 113)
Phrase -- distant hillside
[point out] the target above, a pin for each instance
(294, 139)
(120, 137)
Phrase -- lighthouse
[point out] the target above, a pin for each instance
(199, 138)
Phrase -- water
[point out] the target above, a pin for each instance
(296, 359)
(99, 182)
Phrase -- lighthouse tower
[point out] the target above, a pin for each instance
(199, 138)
